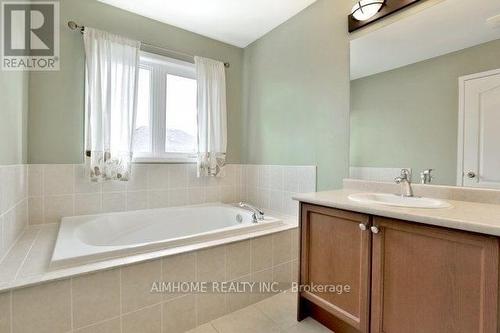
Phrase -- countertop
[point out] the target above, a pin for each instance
(463, 215)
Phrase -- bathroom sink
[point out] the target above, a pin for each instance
(397, 200)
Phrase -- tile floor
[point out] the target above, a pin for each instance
(274, 314)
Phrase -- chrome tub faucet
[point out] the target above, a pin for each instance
(258, 214)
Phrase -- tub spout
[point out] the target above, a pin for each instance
(258, 215)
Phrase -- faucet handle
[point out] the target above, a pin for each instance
(406, 173)
(426, 176)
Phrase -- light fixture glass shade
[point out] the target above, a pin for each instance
(366, 9)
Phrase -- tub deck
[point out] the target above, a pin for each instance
(28, 261)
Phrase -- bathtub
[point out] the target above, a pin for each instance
(91, 238)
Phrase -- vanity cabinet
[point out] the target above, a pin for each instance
(404, 277)
(335, 251)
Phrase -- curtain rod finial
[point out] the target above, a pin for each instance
(72, 25)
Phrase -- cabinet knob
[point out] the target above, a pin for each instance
(375, 229)
(363, 227)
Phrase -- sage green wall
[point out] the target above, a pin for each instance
(408, 117)
(13, 117)
(56, 98)
(296, 104)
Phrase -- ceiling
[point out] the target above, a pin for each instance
(446, 27)
(236, 22)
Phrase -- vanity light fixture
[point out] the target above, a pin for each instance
(366, 12)
(365, 9)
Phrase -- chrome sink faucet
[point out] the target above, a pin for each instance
(258, 215)
(405, 181)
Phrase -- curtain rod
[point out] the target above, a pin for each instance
(73, 26)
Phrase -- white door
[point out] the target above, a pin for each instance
(479, 130)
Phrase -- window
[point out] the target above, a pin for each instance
(166, 127)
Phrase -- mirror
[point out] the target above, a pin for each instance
(425, 94)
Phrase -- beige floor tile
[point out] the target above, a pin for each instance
(110, 326)
(275, 314)
(96, 297)
(249, 319)
(206, 328)
(5, 312)
(136, 285)
(238, 259)
(308, 325)
(179, 315)
(43, 308)
(146, 320)
(282, 308)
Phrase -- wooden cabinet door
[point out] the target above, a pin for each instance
(432, 280)
(335, 251)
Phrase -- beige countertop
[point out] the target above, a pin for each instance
(463, 215)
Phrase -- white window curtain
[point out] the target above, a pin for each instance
(112, 70)
(212, 119)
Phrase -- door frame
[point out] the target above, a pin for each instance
(461, 118)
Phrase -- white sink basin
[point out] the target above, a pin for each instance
(399, 201)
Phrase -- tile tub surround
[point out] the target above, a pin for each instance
(13, 205)
(120, 300)
(28, 261)
(272, 186)
(57, 190)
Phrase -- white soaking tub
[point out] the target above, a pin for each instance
(91, 238)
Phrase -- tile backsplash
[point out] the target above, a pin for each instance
(13, 205)
(272, 186)
(57, 190)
